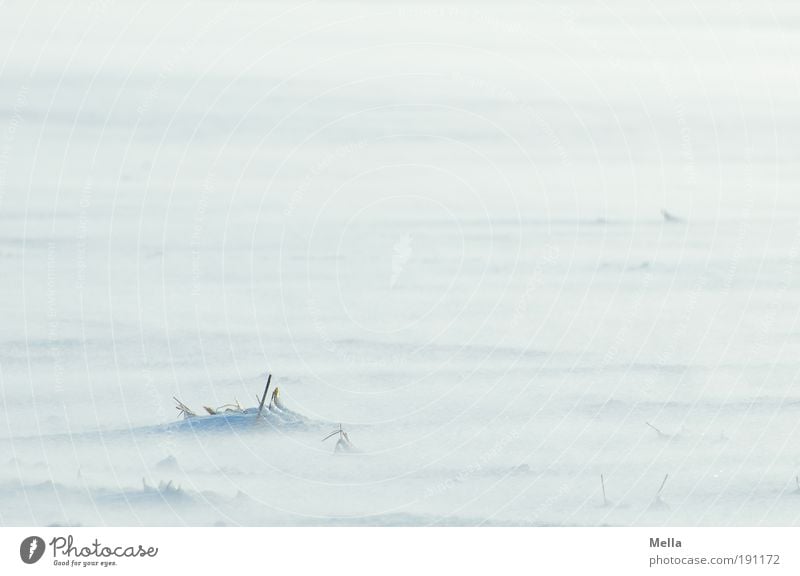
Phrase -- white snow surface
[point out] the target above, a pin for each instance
(437, 225)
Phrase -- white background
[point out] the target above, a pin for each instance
(438, 225)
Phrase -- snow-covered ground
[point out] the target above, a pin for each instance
(438, 225)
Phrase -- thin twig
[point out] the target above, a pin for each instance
(603, 484)
(662, 484)
(183, 409)
(264, 397)
(334, 433)
(659, 432)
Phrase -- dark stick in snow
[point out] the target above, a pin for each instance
(264, 397)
